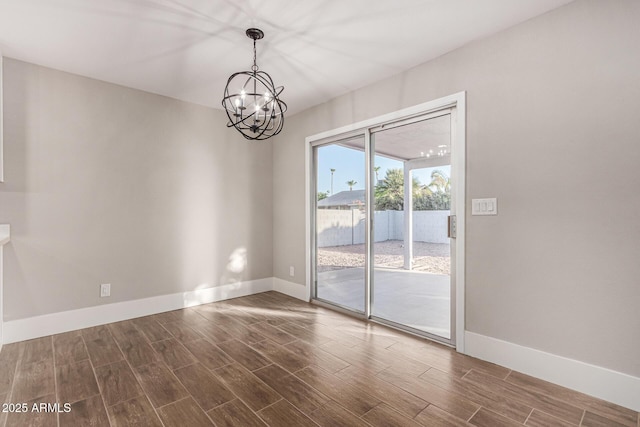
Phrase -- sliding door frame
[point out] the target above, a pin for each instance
(457, 102)
(312, 245)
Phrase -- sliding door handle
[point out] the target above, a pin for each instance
(451, 227)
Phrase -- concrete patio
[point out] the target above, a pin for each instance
(416, 299)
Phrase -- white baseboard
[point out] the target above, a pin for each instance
(593, 380)
(55, 323)
(603, 383)
(292, 289)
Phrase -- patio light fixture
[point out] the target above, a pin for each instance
(252, 101)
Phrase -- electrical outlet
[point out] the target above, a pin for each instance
(105, 290)
(292, 271)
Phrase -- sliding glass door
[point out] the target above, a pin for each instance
(340, 217)
(411, 282)
(382, 214)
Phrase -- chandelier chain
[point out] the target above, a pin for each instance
(255, 65)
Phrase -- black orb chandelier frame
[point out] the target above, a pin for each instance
(252, 102)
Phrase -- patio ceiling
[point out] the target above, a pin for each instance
(415, 141)
(419, 140)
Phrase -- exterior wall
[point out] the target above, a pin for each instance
(384, 226)
(339, 227)
(105, 184)
(336, 227)
(552, 132)
(428, 226)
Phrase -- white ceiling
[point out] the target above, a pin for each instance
(186, 49)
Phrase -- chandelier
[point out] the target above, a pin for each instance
(252, 101)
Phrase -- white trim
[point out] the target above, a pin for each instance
(412, 119)
(368, 230)
(457, 100)
(593, 380)
(291, 289)
(307, 218)
(55, 323)
(459, 147)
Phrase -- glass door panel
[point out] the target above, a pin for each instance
(340, 218)
(411, 283)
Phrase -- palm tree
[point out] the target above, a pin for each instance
(389, 193)
(440, 182)
(376, 170)
(351, 184)
(436, 195)
(332, 171)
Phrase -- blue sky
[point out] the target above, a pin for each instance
(349, 165)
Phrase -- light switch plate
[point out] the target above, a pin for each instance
(484, 206)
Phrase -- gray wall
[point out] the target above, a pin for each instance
(105, 184)
(553, 132)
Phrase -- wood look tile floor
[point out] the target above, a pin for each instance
(268, 359)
